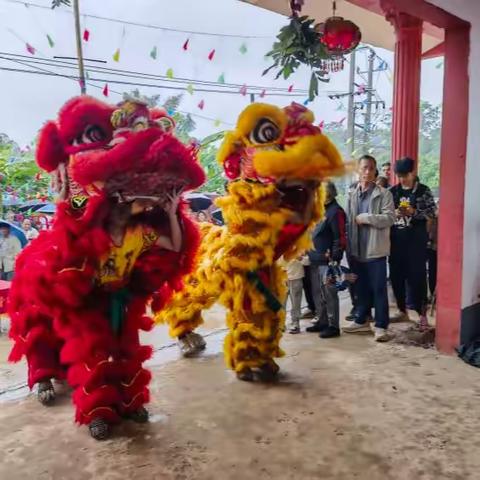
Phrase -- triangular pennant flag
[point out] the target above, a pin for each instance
(306, 102)
(116, 55)
(264, 92)
(185, 45)
(30, 49)
(81, 83)
(86, 35)
(221, 78)
(290, 88)
(153, 52)
(243, 48)
(211, 55)
(50, 41)
(321, 124)
(439, 65)
(243, 90)
(87, 76)
(190, 89)
(169, 73)
(217, 123)
(105, 90)
(201, 105)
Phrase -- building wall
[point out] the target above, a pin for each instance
(469, 10)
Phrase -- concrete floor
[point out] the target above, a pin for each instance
(345, 408)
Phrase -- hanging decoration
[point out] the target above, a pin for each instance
(243, 90)
(264, 92)
(51, 43)
(339, 37)
(116, 55)
(105, 90)
(290, 88)
(31, 50)
(169, 73)
(201, 105)
(217, 123)
(86, 35)
(185, 45)
(190, 89)
(211, 55)
(243, 48)
(221, 78)
(153, 52)
(321, 47)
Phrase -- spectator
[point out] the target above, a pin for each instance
(329, 242)
(10, 247)
(295, 274)
(387, 172)
(432, 228)
(30, 231)
(370, 214)
(202, 216)
(10, 217)
(414, 205)
(382, 182)
(307, 289)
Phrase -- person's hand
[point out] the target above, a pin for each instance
(409, 211)
(171, 206)
(360, 220)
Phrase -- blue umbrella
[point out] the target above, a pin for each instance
(17, 231)
(48, 208)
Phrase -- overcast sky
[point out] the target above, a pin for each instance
(28, 100)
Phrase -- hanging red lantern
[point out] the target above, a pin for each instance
(339, 37)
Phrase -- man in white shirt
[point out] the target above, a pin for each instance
(10, 247)
(30, 232)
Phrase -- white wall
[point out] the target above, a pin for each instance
(469, 10)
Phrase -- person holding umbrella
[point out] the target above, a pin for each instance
(10, 247)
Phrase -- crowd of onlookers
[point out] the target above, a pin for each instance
(10, 243)
(385, 233)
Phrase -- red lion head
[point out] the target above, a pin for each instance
(124, 152)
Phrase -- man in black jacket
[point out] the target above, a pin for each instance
(414, 205)
(329, 242)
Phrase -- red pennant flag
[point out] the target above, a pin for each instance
(243, 90)
(81, 83)
(38, 176)
(185, 45)
(30, 49)
(264, 92)
(211, 55)
(86, 35)
(290, 88)
(105, 90)
(201, 105)
(321, 124)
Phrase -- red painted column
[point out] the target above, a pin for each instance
(452, 187)
(406, 84)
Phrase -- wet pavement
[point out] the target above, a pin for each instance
(345, 408)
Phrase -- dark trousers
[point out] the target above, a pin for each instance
(408, 264)
(307, 288)
(432, 270)
(371, 289)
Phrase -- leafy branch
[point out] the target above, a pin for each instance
(299, 44)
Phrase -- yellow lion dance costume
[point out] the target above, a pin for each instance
(276, 159)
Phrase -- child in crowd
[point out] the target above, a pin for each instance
(295, 273)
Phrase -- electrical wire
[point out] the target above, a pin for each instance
(144, 25)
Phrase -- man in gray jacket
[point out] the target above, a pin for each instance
(370, 214)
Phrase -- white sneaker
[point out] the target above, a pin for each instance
(381, 335)
(354, 327)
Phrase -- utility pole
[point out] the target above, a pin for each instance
(78, 33)
(351, 106)
(368, 113)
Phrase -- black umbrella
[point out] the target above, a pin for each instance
(198, 201)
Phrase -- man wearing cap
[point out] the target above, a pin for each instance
(414, 205)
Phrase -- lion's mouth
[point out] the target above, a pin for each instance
(296, 195)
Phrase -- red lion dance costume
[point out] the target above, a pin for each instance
(79, 296)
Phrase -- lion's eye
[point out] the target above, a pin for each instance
(265, 131)
(165, 123)
(140, 123)
(91, 134)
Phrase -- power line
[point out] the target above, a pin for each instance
(137, 74)
(143, 25)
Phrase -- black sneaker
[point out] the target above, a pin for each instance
(316, 328)
(330, 332)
